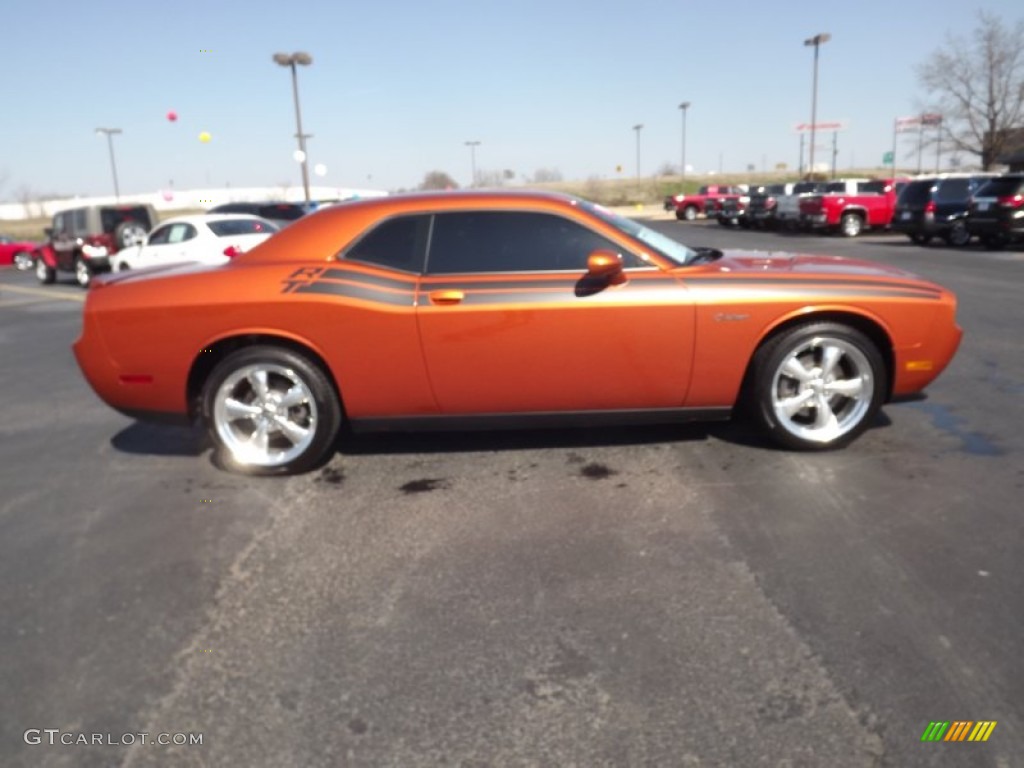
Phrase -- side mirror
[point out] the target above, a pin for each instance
(605, 265)
(48, 232)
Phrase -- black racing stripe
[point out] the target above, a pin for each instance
(362, 277)
(804, 280)
(556, 282)
(358, 292)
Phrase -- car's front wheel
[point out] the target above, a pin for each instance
(270, 410)
(23, 261)
(82, 272)
(690, 212)
(44, 273)
(816, 386)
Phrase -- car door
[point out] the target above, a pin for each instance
(510, 321)
(62, 239)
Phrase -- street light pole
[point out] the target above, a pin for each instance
(286, 60)
(683, 107)
(113, 165)
(816, 41)
(638, 127)
(472, 160)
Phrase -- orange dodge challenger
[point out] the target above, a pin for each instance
(504, 309)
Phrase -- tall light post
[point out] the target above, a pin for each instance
(683, 107)
(817, 42)
(472, 160)
(113, 166)
(638, 127)
(291, 60)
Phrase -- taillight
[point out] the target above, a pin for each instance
(233, 250)
(770, 202)
(1010, 201)
(930, 207)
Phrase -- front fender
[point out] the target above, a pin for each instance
(46, 253)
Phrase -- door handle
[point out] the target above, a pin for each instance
(447, 296)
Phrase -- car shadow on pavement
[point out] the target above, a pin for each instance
(161, 440)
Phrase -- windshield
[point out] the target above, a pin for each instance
(665, 246)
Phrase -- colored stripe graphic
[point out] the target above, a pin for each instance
(958, 730)
(982, 730)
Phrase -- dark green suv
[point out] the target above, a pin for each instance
(996, 214)
(937, 207)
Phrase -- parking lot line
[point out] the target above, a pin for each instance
(43, 292)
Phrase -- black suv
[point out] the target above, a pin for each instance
(82, 240)
(937, 207)
(996, 214)
(281, 213)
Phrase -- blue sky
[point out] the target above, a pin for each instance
(396, 88)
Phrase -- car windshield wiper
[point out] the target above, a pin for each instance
(704, 255)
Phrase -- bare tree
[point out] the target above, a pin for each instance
(438, 180)
(977, 84)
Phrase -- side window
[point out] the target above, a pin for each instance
(952, 190)
(498, 241)
(80, 220)
(161, 236)
(180, 232)
(60, 224)
(396, 244)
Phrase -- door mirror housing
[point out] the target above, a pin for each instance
(606, 265)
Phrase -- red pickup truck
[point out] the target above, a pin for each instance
(870, 205)
(689, 206)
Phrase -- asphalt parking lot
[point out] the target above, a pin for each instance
(671, 596)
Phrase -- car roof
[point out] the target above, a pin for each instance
(317, 235)
(205, 218)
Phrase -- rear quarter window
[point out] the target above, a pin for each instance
(1002, 187)
(233, 227)
(917, 192)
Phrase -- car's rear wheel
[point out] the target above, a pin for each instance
(816, 386)
(23, 261)
(918, 239)
(270, 410)
(82, 272)
(690, 212)
(851, 225)
(44, 273)
(957, 234)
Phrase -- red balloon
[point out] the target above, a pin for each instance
(172, 115)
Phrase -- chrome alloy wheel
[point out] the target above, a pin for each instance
(265, 415)
(822, 389)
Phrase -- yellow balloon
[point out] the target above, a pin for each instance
(205, 137)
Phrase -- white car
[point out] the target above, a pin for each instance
(211, 239)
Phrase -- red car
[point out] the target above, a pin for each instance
(16, 252)
(494, 309)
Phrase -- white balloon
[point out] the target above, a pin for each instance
(320, 169)
(299, 156)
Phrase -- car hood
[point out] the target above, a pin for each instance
(802, 265)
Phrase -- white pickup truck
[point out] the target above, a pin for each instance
(787, 211)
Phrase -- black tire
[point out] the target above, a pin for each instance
(679, 215)
(724, 221)
(918, 239)
(129, 233)
(811, 427)
(957, 235)
(44, 273)
(22, 261)
(83, 272)
(690, 212)
(319, 413)
(994, 242)
(851, 224)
